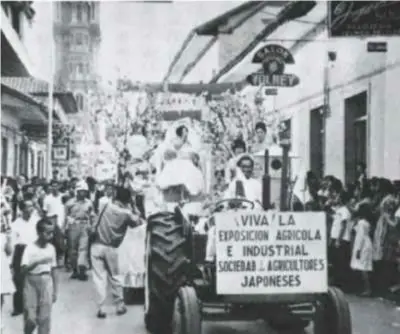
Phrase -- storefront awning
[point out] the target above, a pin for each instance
(290, 35)
(200, 40)
(25, 107)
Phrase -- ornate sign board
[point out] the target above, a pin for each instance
(273, 58)
(363, 18)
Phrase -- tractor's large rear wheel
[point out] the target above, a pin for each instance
(167, 269)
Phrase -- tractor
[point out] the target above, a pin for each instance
(185, 285)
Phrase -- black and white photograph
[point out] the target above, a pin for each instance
(200, 167)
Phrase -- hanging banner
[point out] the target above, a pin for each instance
(273, 59)
(363, 18)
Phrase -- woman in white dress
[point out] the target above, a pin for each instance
(178, 167)
(361, 259)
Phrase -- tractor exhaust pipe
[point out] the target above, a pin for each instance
(266, 183)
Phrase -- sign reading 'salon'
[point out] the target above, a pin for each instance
(273, 58)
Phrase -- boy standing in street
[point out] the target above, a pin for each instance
(40, 284)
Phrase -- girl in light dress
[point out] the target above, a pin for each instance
(361, 259)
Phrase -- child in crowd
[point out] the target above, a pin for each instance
(40, 284)
(361, 259)
(340, 238)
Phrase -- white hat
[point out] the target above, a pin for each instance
(82, 185)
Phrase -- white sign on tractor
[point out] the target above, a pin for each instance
(267, 252)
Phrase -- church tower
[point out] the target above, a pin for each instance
(77, 41)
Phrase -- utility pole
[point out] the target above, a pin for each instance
(50, 98)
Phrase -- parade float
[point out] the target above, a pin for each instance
(148, 163)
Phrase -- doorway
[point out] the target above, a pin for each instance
(356, 128)
(317, 135)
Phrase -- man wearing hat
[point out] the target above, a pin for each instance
(79, 212)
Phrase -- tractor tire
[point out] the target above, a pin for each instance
(187, 312)
(334, 315)
(167, 269)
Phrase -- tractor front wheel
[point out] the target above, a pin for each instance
(333, 314)
(187, 312)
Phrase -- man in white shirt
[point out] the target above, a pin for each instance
(53, 207)
(40, 280)
(23, 231)
(252, 188)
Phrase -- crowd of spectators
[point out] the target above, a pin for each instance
(364, 231)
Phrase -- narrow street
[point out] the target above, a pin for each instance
(75, 313)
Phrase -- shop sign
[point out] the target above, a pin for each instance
(377, 47)
(273, 59)
(60, 152)
(363, 18)
(271, 91)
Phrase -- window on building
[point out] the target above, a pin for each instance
(38, 165)
(16, 154)
(317, 139)
(4, 156)
(66, 12)
(58, 10)
(78, 39)
(88, 9)
(355, 145)
(23, 159)
(93, 11)
(79, 101)
(80, 68)
(32, 162)
(79, 13)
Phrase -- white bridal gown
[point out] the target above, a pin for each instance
(179, 169)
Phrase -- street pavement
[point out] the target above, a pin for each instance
(75, 313)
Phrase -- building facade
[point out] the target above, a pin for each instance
(344, 111)
(20, 154)
(356, 117)
(77, 41)
(24, 98)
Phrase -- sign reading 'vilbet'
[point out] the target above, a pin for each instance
(273, 59)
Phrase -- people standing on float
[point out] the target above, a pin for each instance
(262, 140)
(244, 185)
(238, 148)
